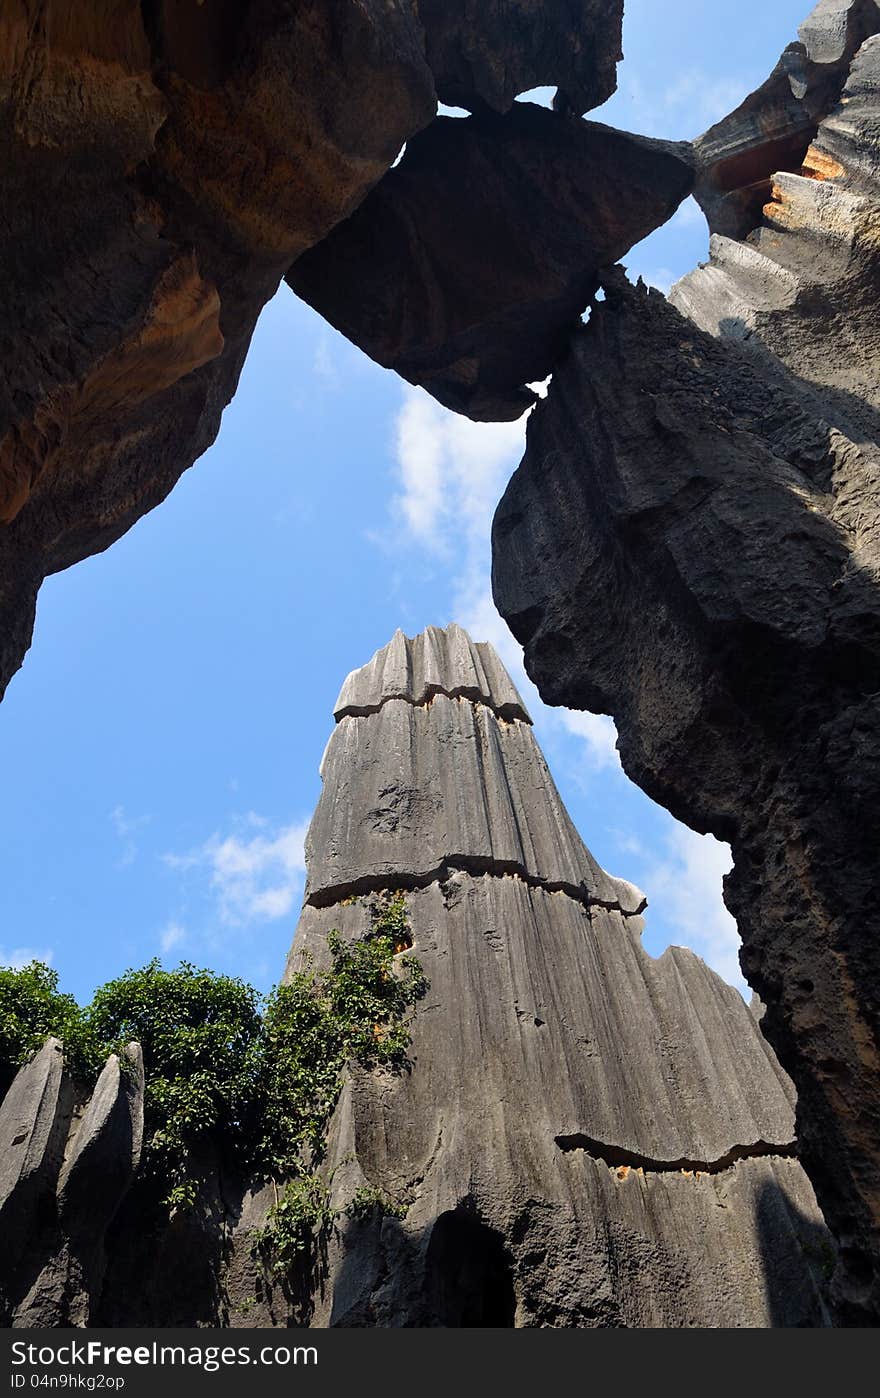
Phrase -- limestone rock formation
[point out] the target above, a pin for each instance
(469, 264)
(163, 166)
(584, 1136)
(691, 545)
(67, 1166)
(587, 1136)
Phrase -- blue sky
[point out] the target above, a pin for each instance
(160, 746)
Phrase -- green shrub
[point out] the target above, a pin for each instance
(369, 1202)
(32, 1009)
(357, 1010)
(296, 1223)
(200, 1035)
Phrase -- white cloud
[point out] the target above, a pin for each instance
(451, 471)
(324, 364)
(126, 828)
(420, 459)
(685, 888)
(171, 937)
(23, 956)
(476, 612)
(252, 877)
(597, 731)
(705, 98)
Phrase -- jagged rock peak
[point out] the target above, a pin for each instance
(586, 1135)
(433, 766)
(437, 661)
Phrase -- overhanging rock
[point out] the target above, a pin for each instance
(469, 264)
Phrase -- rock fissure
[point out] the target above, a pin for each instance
(505, 713)
(474, 865)
(618, 1157)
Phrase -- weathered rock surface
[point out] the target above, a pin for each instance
(802, 288)
(691, 545)
(587, 1136)
(699, 557)
(469, 264)
(33, 1126)
(417, 668)
(67, 1166)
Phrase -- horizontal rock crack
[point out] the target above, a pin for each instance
(476, 865)
(616, 1157)
(508, 713)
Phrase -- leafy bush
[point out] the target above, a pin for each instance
(32, 1009)
(200, 1035)
(358, 1010)
(300, 1218)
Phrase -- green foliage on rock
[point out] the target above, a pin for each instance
(201, 1036)
(358, 1010)
(370, 1202)
(33, 1009)
(300, 1218)
(228, 1072)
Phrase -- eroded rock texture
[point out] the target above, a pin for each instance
(691, 545)
(587, 1136)
(488, 51)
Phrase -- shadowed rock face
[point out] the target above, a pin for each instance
(67, 1166)
(164, 165)
(576, 1112)
(489, 51)
(468, 266)
(691, 545)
